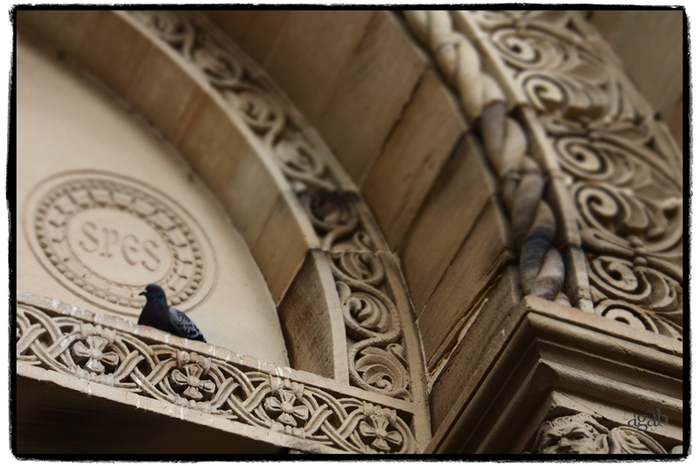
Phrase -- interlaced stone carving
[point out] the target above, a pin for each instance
(628, 200)
(582, 434)
(77, 347)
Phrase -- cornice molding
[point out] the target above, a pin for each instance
(185, 375)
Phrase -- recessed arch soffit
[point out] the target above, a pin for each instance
(324, 201)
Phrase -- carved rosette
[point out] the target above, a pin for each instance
(628, 199)
(72, 346)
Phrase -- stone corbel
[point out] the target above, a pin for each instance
(558, 362)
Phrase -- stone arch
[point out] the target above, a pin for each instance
(341, 299)
(468, 301)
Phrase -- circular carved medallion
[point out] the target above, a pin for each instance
(105, 237)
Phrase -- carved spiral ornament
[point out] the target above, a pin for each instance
(626, 191)
(595, 161)
(254, 100)
(376, 354)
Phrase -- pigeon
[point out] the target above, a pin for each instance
(156, 313)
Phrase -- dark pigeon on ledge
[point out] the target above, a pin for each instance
(156, 313)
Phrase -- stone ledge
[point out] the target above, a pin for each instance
(144, 367)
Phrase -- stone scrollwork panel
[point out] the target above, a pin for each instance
(622, 196)
(629, 203)
(188, 379)
(376, 356)
(630, 218)
(554, 66)
(261, 111)
(375, 352)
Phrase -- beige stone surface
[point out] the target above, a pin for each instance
(209, 145)
(234, 23)
(480, 258)
(307, 44)
(162, 84)
(67, 124)
(371, 93)
(448, 214)
(108, 44)
(68, 27)
(556, 356)
(312, 321)
(280, 249)
(650, 46)
(58, 404)
(470, 358)
(257, 32)
(414, 155)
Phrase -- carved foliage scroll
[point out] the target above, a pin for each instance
(626, 191)
(376, 353)
(259, 108)
(191, 380)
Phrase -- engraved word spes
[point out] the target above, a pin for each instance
(125, 247)
(104, 237)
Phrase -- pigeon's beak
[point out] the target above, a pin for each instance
(143, 293)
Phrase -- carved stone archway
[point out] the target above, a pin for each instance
(339, 291)
(549, 198)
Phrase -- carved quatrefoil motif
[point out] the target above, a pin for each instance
(105, 237)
